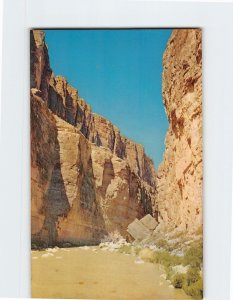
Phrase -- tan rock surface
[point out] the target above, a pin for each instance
(138, 231)
(179, 178)
(87, 179)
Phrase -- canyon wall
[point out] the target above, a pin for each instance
(86, 178)
(179, 177)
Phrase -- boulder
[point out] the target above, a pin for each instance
(149, 222)
(138, 231)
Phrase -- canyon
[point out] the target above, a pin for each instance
(88, 180)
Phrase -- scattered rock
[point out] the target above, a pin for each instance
(180, 269)
(171, 286)
(139, 261)
(52, 249)
(163, 276)
(46, 255)
(85, 248)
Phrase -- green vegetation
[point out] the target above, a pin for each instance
(127, 249)
(192, 276)
(162, 244)
(166, 259)
(190, 280)
(178, 280)
(195, 290)
(194, 255)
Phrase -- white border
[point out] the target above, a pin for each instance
(217, 23)
(1, 23)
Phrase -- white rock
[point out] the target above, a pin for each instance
(163, 276)
(46, 255)
(52, 250)
(171, 286)
(139, 261)
(180, 269)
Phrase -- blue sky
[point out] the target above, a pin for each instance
(118, 72)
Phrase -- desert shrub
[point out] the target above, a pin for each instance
(178, 280)
(127, 249)
(169, 273)
(195, 290)
(193, 275)
(167, 259)
(147, 254)
(194, 255)
(162, 244)
(136, 250)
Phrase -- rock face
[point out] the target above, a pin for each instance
(86, 178)
(179, 177)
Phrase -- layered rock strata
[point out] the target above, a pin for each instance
(179, 177)
(86, 178)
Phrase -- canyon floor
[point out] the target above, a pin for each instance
(94, 273)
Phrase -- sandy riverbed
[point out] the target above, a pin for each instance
(92, 273)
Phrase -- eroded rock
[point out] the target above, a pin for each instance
(179, 177)
(87, 179)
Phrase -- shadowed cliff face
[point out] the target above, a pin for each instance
(179, 177)
(86, 178)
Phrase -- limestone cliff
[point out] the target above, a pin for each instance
(86, 178)
(179, 178)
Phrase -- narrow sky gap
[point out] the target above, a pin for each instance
(119, 73)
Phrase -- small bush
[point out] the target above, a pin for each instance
(178, 280)
(136, 250)
(162, 244)
(147, 255)
(194, 255)
(127, 249)
(167, 259)
(169, 273)
(195, 290)
(193, 275)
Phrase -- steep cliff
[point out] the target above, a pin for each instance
(179, 177)
(86, 178)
